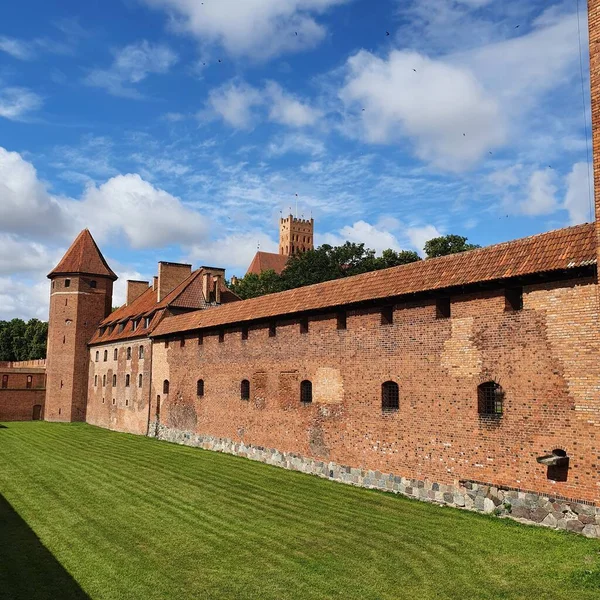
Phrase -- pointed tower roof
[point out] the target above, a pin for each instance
(83, 256)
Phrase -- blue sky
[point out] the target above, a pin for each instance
(178, 130)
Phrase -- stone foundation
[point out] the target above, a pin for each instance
(521, 505)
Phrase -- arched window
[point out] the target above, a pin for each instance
(114, 381)
(141, 352)
(115, 354)
(29, 381)
(95, 380)
(129, 353)
(140, 380)
(306, 392)
(97, 356)
(4, 381)
(166, 386)
(245, 390)
(490, 399)
(105, 355)
(200, 388)
(127, 380)
(390, 396)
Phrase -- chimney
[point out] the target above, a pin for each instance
(170, 275)
(135, 289)
(212, 280)
(154, 283)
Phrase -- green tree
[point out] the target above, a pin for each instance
(23, 341)
(253, 285)
(447, 244)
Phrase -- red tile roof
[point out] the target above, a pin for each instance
(85, 257)
(553, 251)
(265, 261)
(187, 295)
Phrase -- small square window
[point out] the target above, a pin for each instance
(93, 284)
(387, 315)
(443, 308)
(513, 298)
(67, 283)
(304, 325)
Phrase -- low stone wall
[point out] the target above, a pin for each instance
(521, 505)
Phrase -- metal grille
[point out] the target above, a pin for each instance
(306, 392)
(390, 396)
(491, 399)
(245, 390)
(200, 388)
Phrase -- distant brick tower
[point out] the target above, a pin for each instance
(295, 235)
(80, 297)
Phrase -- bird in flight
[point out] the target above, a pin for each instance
(387, 33)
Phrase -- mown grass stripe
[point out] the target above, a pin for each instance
(132, 517)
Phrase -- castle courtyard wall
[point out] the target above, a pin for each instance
(24, 396)
(544, 357)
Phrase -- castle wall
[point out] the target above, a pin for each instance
(120, 408)
(22, 392)
(544, 357)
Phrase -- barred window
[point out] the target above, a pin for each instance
(390, 396)
(306, 392)
(166, 386)
(245, 390)
(200, 388)
(490, 397)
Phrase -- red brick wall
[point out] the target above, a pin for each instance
(75, 313)
(594, 44)
(545, 358)
(17, 401)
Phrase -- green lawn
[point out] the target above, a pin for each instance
(88, 513)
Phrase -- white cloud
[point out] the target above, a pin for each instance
(419, 235)
(237, 103)
(16, 48)
(234, 102)
(24, 299)
(449, 116)
(234, 251)
(19, 255)
(289, 110)
(297, 143)
(541, 194)
(132, 64)
(16, 102)
(579, 189)
(149, 217)
(259, 29)
(25, 204)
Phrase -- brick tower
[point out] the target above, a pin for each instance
(295, 235)
(80, 297)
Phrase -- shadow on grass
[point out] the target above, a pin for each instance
(3, 426)
(27, 568)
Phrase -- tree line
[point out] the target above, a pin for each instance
(334, 262)
(20, 340)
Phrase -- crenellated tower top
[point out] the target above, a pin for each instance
(295, 235)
